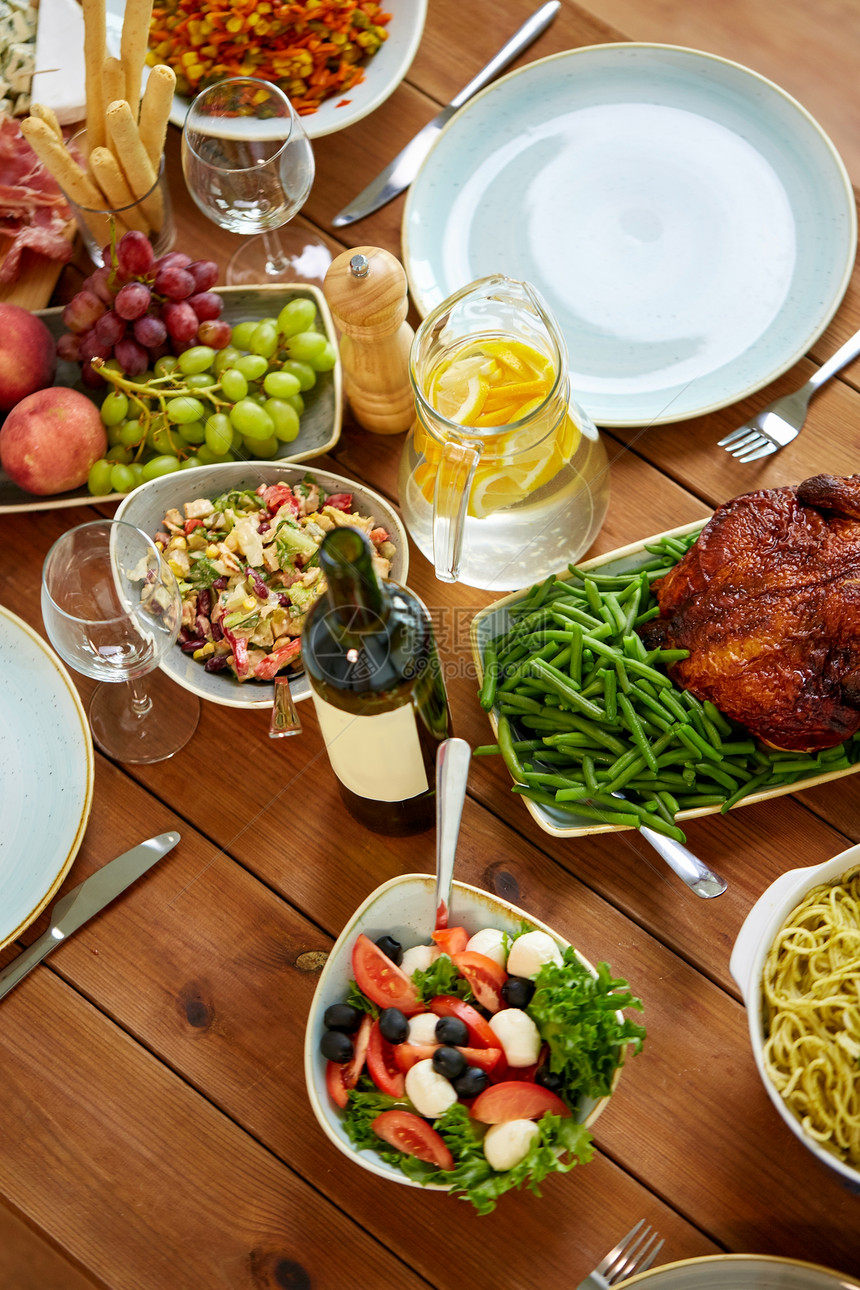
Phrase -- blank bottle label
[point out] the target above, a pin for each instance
(376, 757)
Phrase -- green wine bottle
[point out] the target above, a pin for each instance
(377, 686)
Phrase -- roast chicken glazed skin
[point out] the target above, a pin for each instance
(767, 601)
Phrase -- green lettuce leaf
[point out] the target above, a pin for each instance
(576, 1014)
(441, 977)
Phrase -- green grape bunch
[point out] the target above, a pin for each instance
(206, 405)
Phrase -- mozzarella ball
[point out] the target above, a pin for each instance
(422, 1029)
(490, 942)
(529, 953)
(428, 1091)
(506, 1144)
(518, 1035)
(418, 958)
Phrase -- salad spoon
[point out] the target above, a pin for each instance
(701, 880)
(452, 773)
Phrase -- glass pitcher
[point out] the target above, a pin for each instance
(504, 478)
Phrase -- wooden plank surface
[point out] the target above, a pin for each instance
(155, 1130)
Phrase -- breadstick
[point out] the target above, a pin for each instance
(155, 111)
(49, 116)
(94, 56)
(132, 48)
(109, 177)
(74, 181)
(125, 143)
(113, 80)
(56, 158)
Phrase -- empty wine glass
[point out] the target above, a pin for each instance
(249, 166)
(112, 607)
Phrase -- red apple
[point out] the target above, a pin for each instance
(28, 355)
(50, 439)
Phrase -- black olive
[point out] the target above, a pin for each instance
(393, 1025)
(449, 1062)
(342, 1016)
(472, 1082)
(391, 948)
(451, 1030)
(517, 991)
(336, 1046)
(549, 1079)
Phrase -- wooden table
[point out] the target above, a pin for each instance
(155, 1133)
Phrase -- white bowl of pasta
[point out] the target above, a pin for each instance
(795, 961)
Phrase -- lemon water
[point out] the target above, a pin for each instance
(521, 543)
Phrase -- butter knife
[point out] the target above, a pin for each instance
(79, 905)
(398, 174)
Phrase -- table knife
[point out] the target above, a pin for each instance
(79, 905)
(399, 173)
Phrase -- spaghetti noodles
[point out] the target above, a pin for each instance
(811, 984)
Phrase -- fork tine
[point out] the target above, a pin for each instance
(764, 451)
(734, 436)
(606, 1263)
(628, 1257)
(638, 1257)
(753, 440)
(646, 1263)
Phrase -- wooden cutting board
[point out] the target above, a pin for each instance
(37, 277)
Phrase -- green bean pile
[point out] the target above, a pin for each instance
(585, 711)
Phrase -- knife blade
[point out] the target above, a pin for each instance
(85, 900)
(399, 173)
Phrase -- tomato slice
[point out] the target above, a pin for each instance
(337, 1089)
(406, 1055)
(525, 1074)
(516, 1100)
(413, 1136)
(381, 980)
(361, 1039)
(486, 1058)
(480, 1031)
(484, 976)
(381, 1064)
(451, 940)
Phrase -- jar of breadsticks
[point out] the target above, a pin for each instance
(112, 171)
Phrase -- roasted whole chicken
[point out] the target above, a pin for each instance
(767, 601)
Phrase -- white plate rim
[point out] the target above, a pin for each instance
(733, 1264)
(776, 369)
(69, 848)
(535, 809)
(320, 123)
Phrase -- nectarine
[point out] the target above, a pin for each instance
(50, 439)
(28, 355)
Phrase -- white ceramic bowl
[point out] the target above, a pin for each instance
(747, 965)
(382, 74)
(147, 505)
(404, 908)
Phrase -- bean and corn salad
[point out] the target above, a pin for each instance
(312, 50)
(248, 570)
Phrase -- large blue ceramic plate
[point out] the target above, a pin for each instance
(691, 226)
(46, 775)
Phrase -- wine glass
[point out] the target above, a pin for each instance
(112, 607)
(249, 167)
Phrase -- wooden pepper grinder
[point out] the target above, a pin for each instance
(368, 296)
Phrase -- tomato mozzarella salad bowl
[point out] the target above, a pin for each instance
(438, 1064)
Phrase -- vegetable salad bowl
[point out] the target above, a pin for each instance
(146, 506)
(404, 908)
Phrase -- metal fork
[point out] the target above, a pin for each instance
(628, 1256)
(781, 421)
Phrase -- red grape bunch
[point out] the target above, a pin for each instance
(135, 308)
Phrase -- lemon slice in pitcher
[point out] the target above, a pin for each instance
(511, 482)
